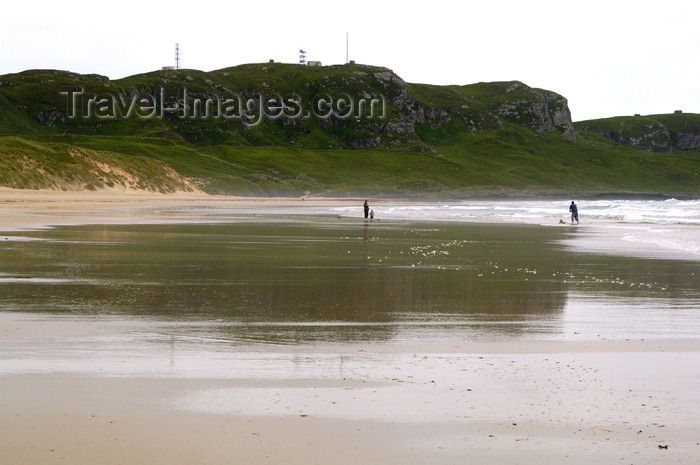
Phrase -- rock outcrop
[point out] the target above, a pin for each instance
(544, 111)
(687, 140)
(507, 102)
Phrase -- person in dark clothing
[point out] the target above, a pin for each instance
(574, 212)
(366, 210)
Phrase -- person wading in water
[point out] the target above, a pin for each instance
(574, 212)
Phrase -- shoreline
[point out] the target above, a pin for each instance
(26, 210)
(9, 196)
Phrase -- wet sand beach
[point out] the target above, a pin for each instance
(520, 402)
(185, 329)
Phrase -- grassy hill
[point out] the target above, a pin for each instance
(481, 139)
(657, 133)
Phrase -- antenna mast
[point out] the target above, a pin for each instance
(302, 56)
(177, 56)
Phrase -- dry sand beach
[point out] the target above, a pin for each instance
(40, 208)
(87, 387)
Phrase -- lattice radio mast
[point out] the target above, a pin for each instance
(177, 56)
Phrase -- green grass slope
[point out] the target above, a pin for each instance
(500, 163)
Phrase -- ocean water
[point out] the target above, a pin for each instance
(644, 226)
(663, 212)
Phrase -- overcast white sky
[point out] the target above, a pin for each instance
(607, 58)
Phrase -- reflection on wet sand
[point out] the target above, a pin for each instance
(327, 279)
(292, 273)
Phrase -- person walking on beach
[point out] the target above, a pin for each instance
(574, 212)
(366, 209)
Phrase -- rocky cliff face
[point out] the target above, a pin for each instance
(508, 102)
(541, 110)
(687, 140)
